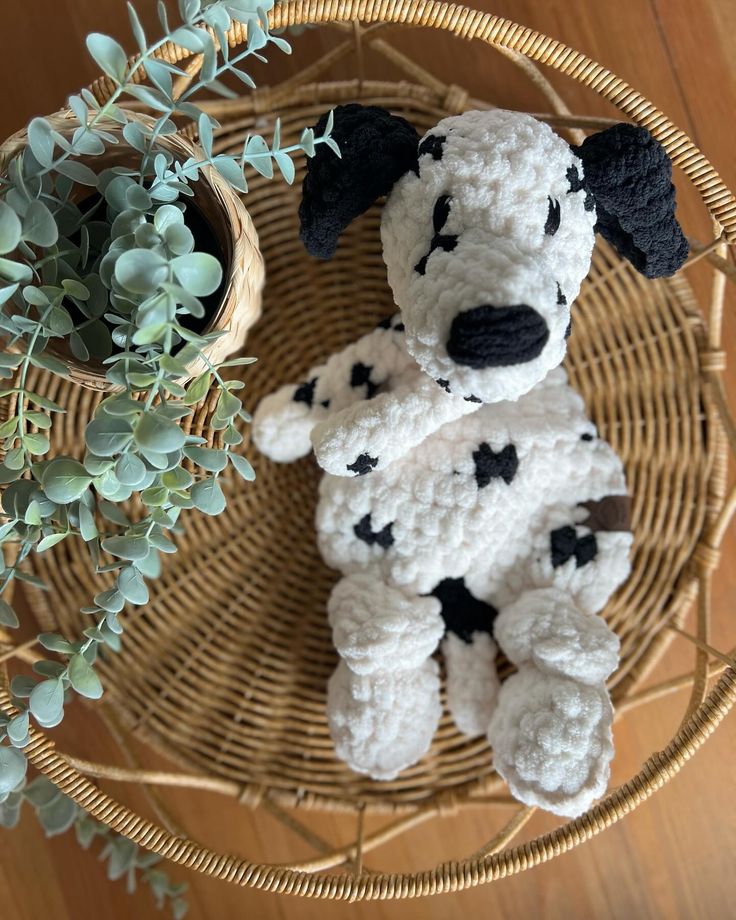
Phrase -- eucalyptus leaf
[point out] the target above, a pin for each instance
(41, 141)
(41, 792)
(141, 271)
(108, 435)
(78, 172)
(243, 467)
(198, 272)
(127, 547)
(10, 270)
(36, 443)
(64, 480)
(50, 540)
(8, 616)
(156, 433)
(208, 497)
(207, 458)
(46, 702)
(130, 469)
(39, 226)
(17, 730)
(13, 766)
(22, 686)
(83, 678)
(10, 230)
(132, 586)
(87, 525)
(198, 389)
(108, 54)
(55, 643)
(58, 816)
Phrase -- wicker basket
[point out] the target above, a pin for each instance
(225, 669)
(235, 236)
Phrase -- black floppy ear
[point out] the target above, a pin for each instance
(629, 174)
(376, 148)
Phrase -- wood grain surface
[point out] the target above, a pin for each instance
(673, 857)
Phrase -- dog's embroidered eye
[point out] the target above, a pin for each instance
(553, 217)
(441, 212)
(443, 241)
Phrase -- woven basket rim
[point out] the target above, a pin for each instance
(699, 723)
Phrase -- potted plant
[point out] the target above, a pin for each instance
(128, 263)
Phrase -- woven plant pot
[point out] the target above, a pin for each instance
(225, 670)
(235, 239)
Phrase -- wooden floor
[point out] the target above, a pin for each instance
(673, 858)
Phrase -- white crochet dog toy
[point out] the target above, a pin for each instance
(492, 510)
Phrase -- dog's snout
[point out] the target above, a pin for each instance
(489, 336)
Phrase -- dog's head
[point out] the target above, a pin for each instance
(488, 230)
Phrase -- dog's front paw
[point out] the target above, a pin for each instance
(546, 628)
(282, 425)
(376, 627)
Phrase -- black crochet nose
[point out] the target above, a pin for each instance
(490, 336)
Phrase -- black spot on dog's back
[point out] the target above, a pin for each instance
(364, 531)
(360, 375)
(491, 465)
(463, 613)
(565, 543)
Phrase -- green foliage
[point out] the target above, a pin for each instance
(114, 273)
(57, 814)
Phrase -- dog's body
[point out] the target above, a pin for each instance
(466, 496)
(486, 512)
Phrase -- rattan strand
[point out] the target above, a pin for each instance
(651, 373)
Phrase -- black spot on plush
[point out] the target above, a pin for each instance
(565, 543)
(364, 531)
(360, 375)
(463, 614)
(377, 149)
(305, 392)
(399, 327)
(384, 324)
(497, 336)
(433, 145)
(445, 384)
(491, 465)
(362, 464)
(552, 224)
(561, 299)
(630, 175)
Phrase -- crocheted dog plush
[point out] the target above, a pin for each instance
(467, 499)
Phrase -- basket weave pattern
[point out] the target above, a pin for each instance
(235, 635)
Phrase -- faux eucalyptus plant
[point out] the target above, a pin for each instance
(103, 261)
